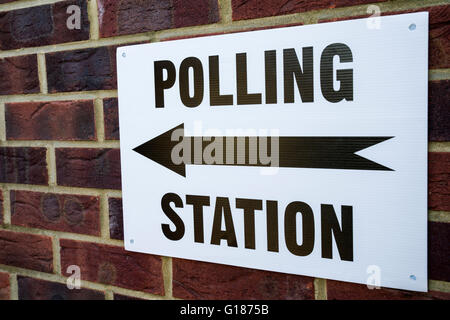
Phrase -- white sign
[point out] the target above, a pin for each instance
(300, 150)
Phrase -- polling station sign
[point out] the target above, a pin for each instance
(300, 150)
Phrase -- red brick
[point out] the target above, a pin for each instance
(41, 25)
(439, 30)
(137, 16)
(36, 289)
(439, 110)
(439, 36)
(29, 251)
(113, 265)
(337, 290)
(201, 280)
(19, 75)
(251, 9)
(59, 120)
(82, 70)
(439, 251)
(23, 165)
(133, 16)
(115, 218)
(60, 212)
(111, 114)
(439, 181)
(1, 207)
(4, 286)
(192, 13)
(88, 167)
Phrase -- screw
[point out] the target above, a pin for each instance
(412, 277)
(124, 54)
(412, 27)
(131, 241)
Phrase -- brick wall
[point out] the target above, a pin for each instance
(60, 197)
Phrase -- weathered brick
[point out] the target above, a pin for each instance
(201, 280)
(115, 218)
(251, 9)
(19, 75)
(36, 289)
(60, 212)
(439, 181)
(111, 114)
(23, 165)
(4, 286)
(337, 290)
(137, 16)
(113, 265)
(439, 251)
(59, 120)
(439, 30)
(29, 251)
(88, 167)
(82, 70)
(439, 110)
(42, 25)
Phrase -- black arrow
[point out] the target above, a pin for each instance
(294, 152)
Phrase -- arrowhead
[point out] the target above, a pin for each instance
(159, 149)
